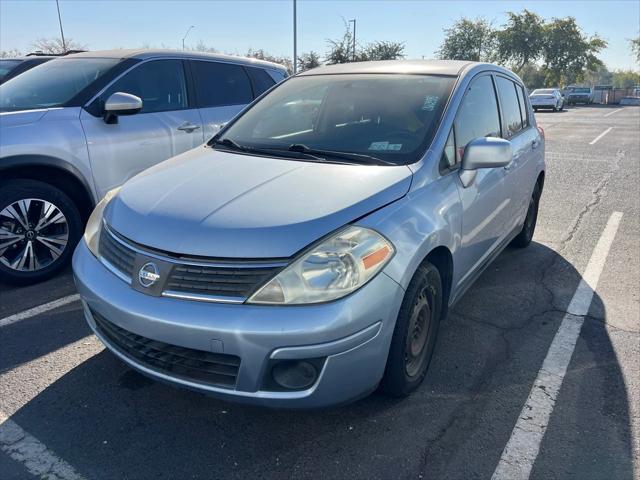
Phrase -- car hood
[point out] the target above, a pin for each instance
(225, 205)
(22, 117)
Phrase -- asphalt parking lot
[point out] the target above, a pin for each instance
(70, 409)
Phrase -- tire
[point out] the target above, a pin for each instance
(411, 347)
(523, 239)
(555, 109)
(561, 106)
(39, 229)
(535, 109)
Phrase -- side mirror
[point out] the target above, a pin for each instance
(484, 152)
(120, 103)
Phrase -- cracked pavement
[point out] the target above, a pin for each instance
(58, 384)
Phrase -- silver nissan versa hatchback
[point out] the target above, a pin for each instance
(308, 253)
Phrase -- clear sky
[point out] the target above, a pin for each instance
(235, 26)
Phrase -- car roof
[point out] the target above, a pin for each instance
(144, 54)
(435, 67)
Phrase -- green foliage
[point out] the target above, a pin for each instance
(521, 39)
(625, 78)
(532, 76)
(309, 60)
(567, 52)
(341, 50)
(469, 40)
(381, 51)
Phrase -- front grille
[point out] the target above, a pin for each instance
(196, 279)
(218, 281)
(116, 253)
(187, 363)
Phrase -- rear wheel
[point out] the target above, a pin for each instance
(39, 228)
(523, 239)
(535, 109)
(415, 333)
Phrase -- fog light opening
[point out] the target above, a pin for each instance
(294, 374)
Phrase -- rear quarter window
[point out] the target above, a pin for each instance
(220, 84)
(510, 106)
(260, 80)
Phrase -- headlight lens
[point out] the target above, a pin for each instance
(332, 269)
(92, 230)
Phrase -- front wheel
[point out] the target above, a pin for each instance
(39, 228)
(415, 333)
(523, 239)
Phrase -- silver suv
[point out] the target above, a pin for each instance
(309, 252)
(76, 127)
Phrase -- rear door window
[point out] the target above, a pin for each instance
(478, 114)
(160, 84)
(221, 84)
(260, 79)
(510, 106)
(524, 111)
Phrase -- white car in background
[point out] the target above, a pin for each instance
(547, 98)
(75, 127)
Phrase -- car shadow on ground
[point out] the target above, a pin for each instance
(110, 422)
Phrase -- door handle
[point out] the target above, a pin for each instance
(188, 127)
(535, 144)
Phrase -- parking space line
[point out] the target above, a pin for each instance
(611, 113)
(592, 142)
(523, 447)
(32, 312)
(33, 454)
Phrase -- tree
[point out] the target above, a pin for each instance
(384, 50)
(521, 40)
(309, 60)
(625, 78)
(11, 53)
(567, 53)
(262, 55)
(635, 47)
(54, 45)
(468, 40)
(203, 47)
(532, 76)
(341, 50)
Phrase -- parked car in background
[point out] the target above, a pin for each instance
(547, 98)
(77, 126)
(301, 264)
(579, 95)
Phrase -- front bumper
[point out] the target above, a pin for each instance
(351, 335)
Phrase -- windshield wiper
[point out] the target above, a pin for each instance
(352, 157)
(232, 145)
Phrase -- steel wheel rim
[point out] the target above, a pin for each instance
(33, 234)
(418, 335)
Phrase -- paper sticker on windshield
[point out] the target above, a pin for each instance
(430, 103)
(378, 145)
(385, 146)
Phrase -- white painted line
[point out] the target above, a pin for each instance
(611, 113)
(33, 454)
(522, 449)
(600, 136)
(32, 312)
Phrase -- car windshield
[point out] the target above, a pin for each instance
(543, 91)
(6, 66)
(53, 83)
(580, 90)
(390, 117)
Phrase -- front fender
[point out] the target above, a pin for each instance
(426, 218)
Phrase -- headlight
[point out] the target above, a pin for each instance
(334, 268)
(92, 230)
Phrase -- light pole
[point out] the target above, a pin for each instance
(295, 38)
(185, 35)
(353, 54)
(64, 44)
